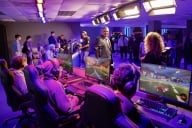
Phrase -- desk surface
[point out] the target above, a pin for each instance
(163, 123)
(158, 121)
(73, 86)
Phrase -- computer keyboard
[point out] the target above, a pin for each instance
(70, 80)
(158, 108)
(85, 83)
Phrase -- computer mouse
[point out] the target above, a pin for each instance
(182, 121)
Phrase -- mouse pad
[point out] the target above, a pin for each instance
(181, 121)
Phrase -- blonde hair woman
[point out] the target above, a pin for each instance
(154, 46)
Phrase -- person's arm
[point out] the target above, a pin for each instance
(85, 46)
(49, 40)
(20, 83)
(17, 91)
(62, 100)
(16, 47)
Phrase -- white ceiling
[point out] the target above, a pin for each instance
(85, 10)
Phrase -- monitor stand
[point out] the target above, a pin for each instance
(154, 97)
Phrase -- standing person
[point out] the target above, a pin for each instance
(123, 44)
(179, 48)
(103, 46)
(85, 46)
(52, 39)
(27, 49)
(17, 46)
(112, 39)
(136, 45)
(130, 46)
(187, 50)
(172, 44)
(63, 43)
(154, 46)
(61, 39)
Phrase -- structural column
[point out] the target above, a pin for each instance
(154, 26)
(189, 26)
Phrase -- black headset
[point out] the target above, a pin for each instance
(54, 70)
(128, 84)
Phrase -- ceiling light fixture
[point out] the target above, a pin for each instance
(41, 14)
(160, 7)
(40, 10)
(40, 1)
(127, 12)
(104, 19)
(43, 19)
(40, 7)
(96, 21)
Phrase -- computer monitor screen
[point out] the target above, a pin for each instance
(98, 68)
(169, 83)
(66, 61)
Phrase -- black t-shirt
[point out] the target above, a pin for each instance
(85, 42)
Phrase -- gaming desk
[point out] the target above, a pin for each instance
(157, 121)
(71, 83)
(160, 122)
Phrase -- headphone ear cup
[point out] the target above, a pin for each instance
(130, 88)
(55, 72)
(112, 83)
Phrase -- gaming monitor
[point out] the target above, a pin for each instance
(169, 83)
(66, 61)
(98, 68)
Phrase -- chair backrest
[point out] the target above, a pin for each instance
(102, 109)
(14, 100)
(45, 112)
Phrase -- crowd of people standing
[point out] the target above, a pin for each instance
(174, 48)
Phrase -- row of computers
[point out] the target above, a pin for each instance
(95, 68)
(170, 84)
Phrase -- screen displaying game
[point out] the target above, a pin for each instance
(98, 68)
(66, 61)
(166, 82)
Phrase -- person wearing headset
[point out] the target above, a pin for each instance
(124, 83)
(62, 103)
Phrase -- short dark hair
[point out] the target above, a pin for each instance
(17, 36)
(28, 37)
(52, 32)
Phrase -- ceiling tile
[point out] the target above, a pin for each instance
(85, 10)
(5, 4)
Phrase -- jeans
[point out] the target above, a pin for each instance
(84, 54)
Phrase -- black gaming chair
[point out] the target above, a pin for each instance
(46, 115)
(14, 99)
(102, 109)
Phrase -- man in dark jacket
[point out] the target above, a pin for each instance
(27, 49)
(52, 39)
